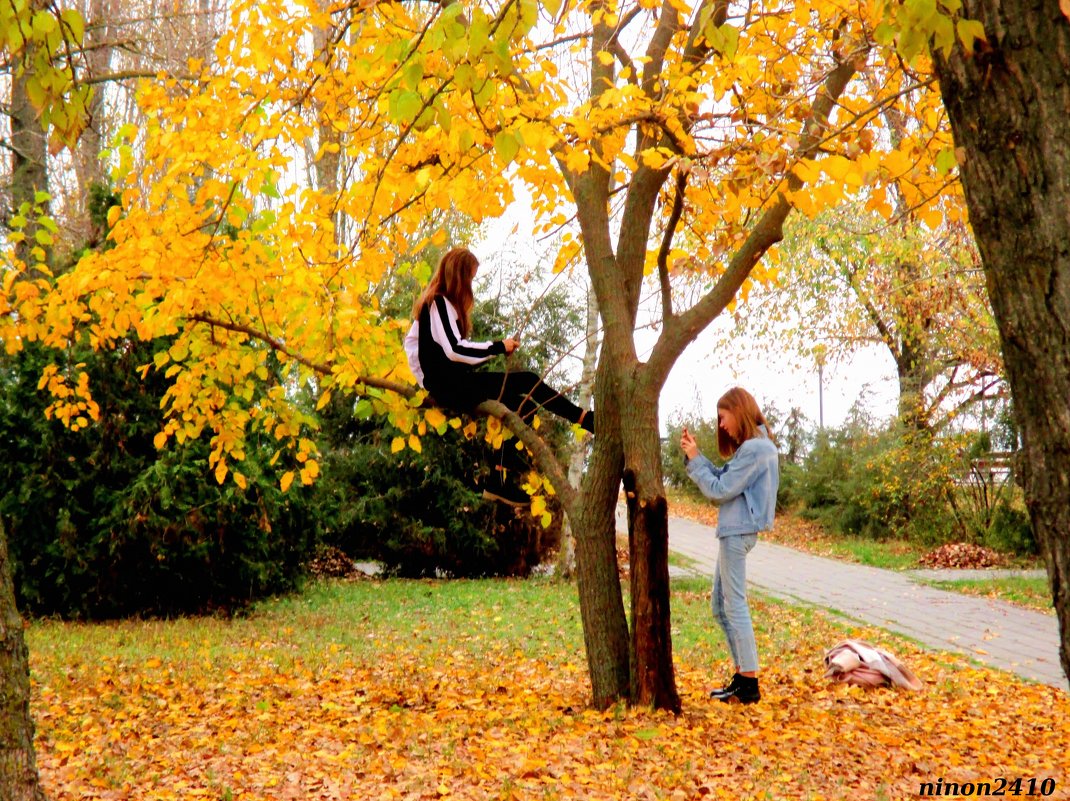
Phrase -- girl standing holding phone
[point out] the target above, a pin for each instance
(745, 489)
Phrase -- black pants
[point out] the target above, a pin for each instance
(522, 391)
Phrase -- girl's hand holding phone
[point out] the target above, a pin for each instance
(688, 444)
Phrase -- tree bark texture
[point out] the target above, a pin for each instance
(1009, 106)
(29, 173)
(653, 679)
(566, 560)
(605, 627)
(88, 166)
(19, 780)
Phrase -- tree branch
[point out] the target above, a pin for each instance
(666, 244)
(545, 460)
(130, 74)
(887, 336)
(682, 329)
(404, 390)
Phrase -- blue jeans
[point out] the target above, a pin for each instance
(729, 600)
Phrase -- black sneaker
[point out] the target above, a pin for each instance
(587, 423)
(745, 692)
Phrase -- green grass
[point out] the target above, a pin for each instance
(681, 561)
(887, 554)
(1033, 593)
(332, 621)
(353, 618)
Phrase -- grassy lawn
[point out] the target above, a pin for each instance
(479, 690)
(1030, 592)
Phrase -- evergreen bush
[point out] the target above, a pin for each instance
(422, 513)
(101, 524)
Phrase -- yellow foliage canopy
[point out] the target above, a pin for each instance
(259, 277)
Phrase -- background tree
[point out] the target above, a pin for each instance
(849, 280)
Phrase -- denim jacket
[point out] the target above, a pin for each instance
(744, 487)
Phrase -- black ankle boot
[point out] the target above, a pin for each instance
(745, 691)
(728, 689)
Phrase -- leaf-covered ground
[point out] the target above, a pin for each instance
(479, 690)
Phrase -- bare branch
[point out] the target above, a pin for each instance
(666, 244)
(127, 75)
(681, 330)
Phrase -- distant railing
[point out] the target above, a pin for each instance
(992, 469)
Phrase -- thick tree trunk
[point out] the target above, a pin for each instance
(653, 678)
(605, 628)
(18, 764)
(1008, 103)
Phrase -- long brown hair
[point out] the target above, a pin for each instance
(453, 280)
(748, 417)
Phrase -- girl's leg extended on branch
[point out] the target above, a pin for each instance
(525, 393)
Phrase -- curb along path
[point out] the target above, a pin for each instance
(995, 633)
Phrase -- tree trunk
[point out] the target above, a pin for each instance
(566, 558)
(29, 174)
(913, 377)
(605, 628)
(88, 167)
(19, 780)
(653, 680)
(1008, 105)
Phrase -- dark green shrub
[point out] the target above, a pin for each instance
(792, 477)
(422, 513)
(1011, 531)
(101, 524)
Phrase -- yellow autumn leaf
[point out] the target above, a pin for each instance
(435, 418)
(286, 480)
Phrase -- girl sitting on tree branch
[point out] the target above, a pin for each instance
(444, 360)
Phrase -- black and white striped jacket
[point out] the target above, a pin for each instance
(436, 351)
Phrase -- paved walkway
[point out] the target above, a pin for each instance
(992, 632)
